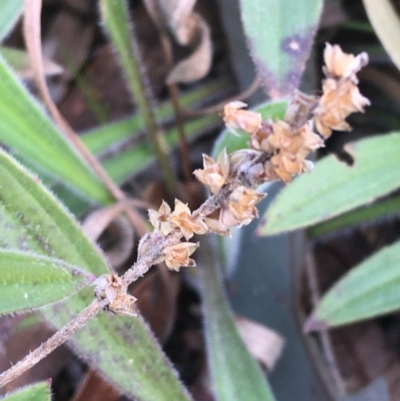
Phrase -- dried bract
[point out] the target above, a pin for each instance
(215, 173)
(182, 218)
(110, 287)
(240, 208)
(237, 118)
(161, 219)
(177, 255)
(341, 95)
(342, 65)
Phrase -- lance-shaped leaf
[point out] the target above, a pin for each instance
(279, 35)
(10, 11)
(32, 220)
(334, 187)
(29, 281)
(370, 289)
(365, 214)
(27, 129)
(36, 392)
(235, 373)
(239, 140)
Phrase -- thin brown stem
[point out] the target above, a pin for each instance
(32, 33)
(183, 144)
(312, 279)
(57, 339)
(220, 106)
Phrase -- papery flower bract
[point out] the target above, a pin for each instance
(161, 219)
(177, 255)
(240, 208)
(342, 65)
(341, 95)
(260, 139)
(237, 118)
(182, 218)
(215, 173)
(293, 146)
(110, 287)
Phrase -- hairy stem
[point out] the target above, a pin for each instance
(57, 339)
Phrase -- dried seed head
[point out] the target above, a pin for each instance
(293, 146)
(240, 209)
(300, 109)
(177, 255)
(342, 65)
(110, 287)
(182, 218)
(215, 225)
(237, 118)
(215, 174)
(160, 219)
(259, 140)
(341, 95)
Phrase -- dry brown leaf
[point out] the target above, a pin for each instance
(173, 15)
(69, 38)
(188, 28)
(263, 343)
(197, 65)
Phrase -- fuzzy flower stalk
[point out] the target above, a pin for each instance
(278, 150)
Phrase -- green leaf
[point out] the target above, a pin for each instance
(280, 34)
(10, 11)
(27, 129)
(235, 141)
(235, 373)
(368, 290)
(102, 138)
(36, 392)
(32, 220)
(365, 214)
(29, 281)
(386, 23)
(334, 187)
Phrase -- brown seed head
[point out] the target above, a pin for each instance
(178, 255)
(215, 173)
(182, 218)
(237, 118)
